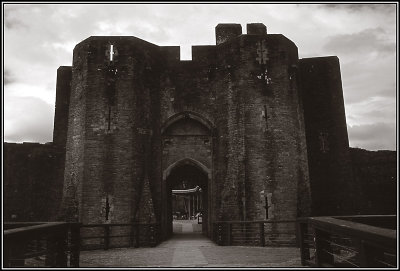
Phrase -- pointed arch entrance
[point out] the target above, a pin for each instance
(187, 161)
(187, 150)
(187, 187)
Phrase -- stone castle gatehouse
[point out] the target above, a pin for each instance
(246, 120)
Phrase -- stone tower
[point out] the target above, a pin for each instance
(232, 119)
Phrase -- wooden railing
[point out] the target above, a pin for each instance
(255, 233)
(381, 221)
(42, 244)
(342, 242)
(105, 236)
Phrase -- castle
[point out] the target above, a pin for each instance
(262, 132)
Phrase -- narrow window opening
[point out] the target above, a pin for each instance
(265, 115)
(323, 142)
(109, 119)
(112, 52)
(107, 208)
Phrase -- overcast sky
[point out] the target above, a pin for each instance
(40, 38)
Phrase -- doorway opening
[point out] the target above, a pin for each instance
(187, 187)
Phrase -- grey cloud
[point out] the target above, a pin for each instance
(388, 92)
(377, 136)
(8, 77)
(368, 40)
(11, 19)
(377, 114)
(364, 78)
(28, 119)
(389, 8)
(13, 23)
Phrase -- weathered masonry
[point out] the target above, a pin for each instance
(247, 121)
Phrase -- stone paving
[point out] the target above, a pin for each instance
(189, 248)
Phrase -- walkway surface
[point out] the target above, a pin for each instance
(189, 248)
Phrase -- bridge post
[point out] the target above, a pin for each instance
(132, 236)
(51, 249)
(361, 255)
(6, 253)
(61, 238)
(262, 237)
(219, 236)
(137, 236)
(152, 239)
(229, 233)
(13, 252)
(75, 244)
(323, 253)
(106, 237)
(304, 249)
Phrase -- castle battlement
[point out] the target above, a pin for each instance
(138, 124)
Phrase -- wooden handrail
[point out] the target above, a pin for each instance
(34, 228)
(370, 243)
(253, 231)
(57, 243)
(134, 236)
(116, 224)
(256, 221)
(348, 228)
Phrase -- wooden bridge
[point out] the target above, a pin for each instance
(351, 241)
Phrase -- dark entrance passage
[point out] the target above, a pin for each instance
(187, 187)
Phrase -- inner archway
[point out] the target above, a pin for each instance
(187, 201)
(187, 153)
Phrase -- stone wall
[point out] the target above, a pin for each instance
(243, 92)
(110, 129)
(63, 93)
(375, 181)
(32, 189)
(33, 172)
(327, 140)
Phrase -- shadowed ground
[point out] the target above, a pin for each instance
(189, 248)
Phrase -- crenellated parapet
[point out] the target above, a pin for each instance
(136, 110)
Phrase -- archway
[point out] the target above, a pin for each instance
(185, 115)
(187, 183)
(187, 153)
